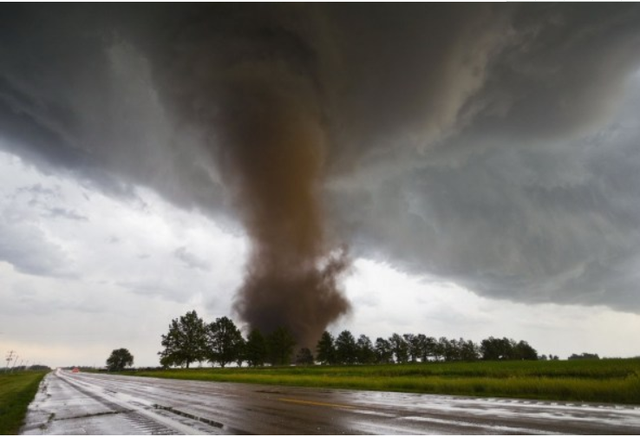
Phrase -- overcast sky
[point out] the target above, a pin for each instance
(480, 163)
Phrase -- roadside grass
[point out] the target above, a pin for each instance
(17, 390)
(610, 381)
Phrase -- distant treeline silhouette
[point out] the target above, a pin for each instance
(584, 356)
(221, 343)
(22, 368)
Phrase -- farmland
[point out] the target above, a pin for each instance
(614, 380)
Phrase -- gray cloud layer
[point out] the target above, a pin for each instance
(190, 260)
(492, 145)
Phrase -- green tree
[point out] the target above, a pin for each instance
(439, 347)
(304, 357)
(451, 350)
(399, 348)
(185, 342)
(280, 344)
(428, 347)
(469, 351)
(506, 349)
(523, 351)
(241, 355)
(346, 350)
(384, 353)
(414, 346)
(584, 356)
(364, 350)
(224, 341)
(119, 359)
(496, 349)
(325, 349)
(256, 348)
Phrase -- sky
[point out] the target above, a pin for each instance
(454, 170)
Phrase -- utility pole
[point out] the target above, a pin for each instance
(9, 358)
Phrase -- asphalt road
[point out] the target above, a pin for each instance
(85, 403)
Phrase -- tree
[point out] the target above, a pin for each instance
(584, 356)
(384, 354)
(365, 352)
(439, 348)
(523, 351)
(449, 348)
(41, 367)
(304, 357)
(399, 348)
(185, 342)
(469, 351)
(256, 348)
(280, 344)
(119, 359)
(325, 349)
(346, 350)
(414, 346)
(224, 341)
(241, 354)
(428, 347)
(497, 348)
(506, 349)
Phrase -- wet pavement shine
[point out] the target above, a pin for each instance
(88, 403)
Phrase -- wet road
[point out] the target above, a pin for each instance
(84, 403)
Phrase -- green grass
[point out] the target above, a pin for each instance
(17, 390)
(615, 381)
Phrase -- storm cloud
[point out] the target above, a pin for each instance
(489, 145)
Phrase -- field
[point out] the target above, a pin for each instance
(16, 392)
(615, 380)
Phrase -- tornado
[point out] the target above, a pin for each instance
(273, 163)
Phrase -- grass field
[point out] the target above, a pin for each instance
(616, 380)
(16, 392)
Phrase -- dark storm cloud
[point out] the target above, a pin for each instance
(552, 223)
(484, 144)
(75, 97)
(562, 74)
(511, 238)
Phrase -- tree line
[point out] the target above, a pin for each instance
(190, 340)
(584, 356)
(414, 348)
